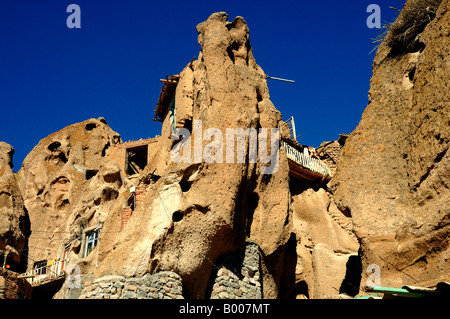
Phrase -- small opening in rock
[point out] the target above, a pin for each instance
(110, 194)
(301, 288)
(346, 211)
(53, 146)
(188, 125)
(422, 259)
(234, 46)
(91, 173)
(177, 216)
(437, 136)
(185, 186)
(90, 126)
(62, 157)
(258, 95)
(252, 205)
(352, 280)
(65, 202)
(105, 148)
(416, 47)
(40, 192)
(411, 74)
(151, 178)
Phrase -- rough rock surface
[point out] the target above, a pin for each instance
(318, 223)
(224, 229)
(393, 178)
(224, 88)
(65, 182)
(13, 218)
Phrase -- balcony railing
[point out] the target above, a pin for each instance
(52, 271)
(305, 161)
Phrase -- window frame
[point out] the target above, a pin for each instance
(91, 240)
(40, 267)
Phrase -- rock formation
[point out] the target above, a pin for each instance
(181, 216)
(13, 218)
(393, 178)
(197, 212)
(66, 181)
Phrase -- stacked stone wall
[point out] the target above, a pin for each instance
(239, 276)
(161, 285)
(12, 287)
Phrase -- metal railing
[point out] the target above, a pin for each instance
(314, 165)
(291, 125)
(53, 270)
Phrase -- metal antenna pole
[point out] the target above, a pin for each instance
(279, 79)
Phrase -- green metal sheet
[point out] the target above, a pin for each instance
(397, 292)
(372, 296)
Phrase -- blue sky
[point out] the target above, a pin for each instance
(52, 76)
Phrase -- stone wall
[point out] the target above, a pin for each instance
(330, 154)
(12, 287)
(161, 285)
(239, 276)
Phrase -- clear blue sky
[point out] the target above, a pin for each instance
(52, 76)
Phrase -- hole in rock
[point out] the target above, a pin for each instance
(301, 288)
(258, 95)
(252, 205)
(107, 145)
(53, 146)
(234, 46)
(185, 186)
(177, 216)
(62, 157)
(90, 126)
(411, 74)
(352, 280)
(91, 173)
(110, 194)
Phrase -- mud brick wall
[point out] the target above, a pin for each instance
(239, 276)
(161, 285)
(126, 214)
(117, 153)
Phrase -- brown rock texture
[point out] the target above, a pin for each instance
(65, 182)
(13, 218)
(197, 212)
(225, 227)
(394, 173)
(324, 235)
